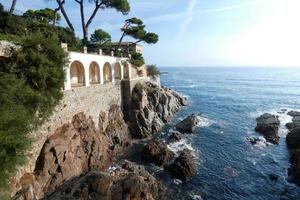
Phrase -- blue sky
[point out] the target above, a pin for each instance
(205, 32)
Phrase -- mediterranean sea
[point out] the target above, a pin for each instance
(229, 100)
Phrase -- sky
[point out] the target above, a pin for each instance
(204, 32)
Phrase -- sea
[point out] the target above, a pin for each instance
(228, 101)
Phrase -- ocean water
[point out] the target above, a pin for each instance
(230, 99)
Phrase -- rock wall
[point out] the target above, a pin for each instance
(74, 149)
(151, 107)
(89, 100)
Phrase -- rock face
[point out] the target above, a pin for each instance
(175, 137)
(293, 143)
(157, 152)
(189, 124)
(76, 148)
(184, 166)
(128, 182)
(152, 107)
(268, 125)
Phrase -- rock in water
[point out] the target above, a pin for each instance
(158, 153)
(129, 182)
(294, 170)
(175, 137)
(268, 125)
(151, 107)
(293, 138)
(189, 124)
(257, 141)
(184, 166)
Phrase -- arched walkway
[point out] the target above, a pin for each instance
(126, 71)
(118, 71)
(107, 75)
(77, 74)
(94, 73)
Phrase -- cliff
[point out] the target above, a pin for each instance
(80, 151)
(151, 107)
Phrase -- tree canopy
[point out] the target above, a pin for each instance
(100, 37)
(46, 15)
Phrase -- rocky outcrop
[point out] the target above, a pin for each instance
(268, 125)
(157, 152)
(260, 141)
(151, 107)
(174, 137)
(189, 124)
(74, 149)
(184, 166)
(128, 182)
(293, 143)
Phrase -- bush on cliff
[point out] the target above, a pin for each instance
(30, 87)
(153, 71)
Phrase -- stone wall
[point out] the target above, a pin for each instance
(90, 100)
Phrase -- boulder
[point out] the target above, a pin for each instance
(76, 148)
(128, 182)
(268, 125)
(189, 124)
(294, 170)
(151, 107)
(293, 138)
(175, 137)
(157, 152)
(294, 113)
(257, 141)
(184, 166)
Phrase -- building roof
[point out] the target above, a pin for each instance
(125, 43)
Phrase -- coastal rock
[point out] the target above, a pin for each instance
(151, 107)
(157, 152)
(268, 125)
(184, 166)
(294, 170)
(129, 182)
(175, 137)
(189, 124)
(295, 121)
(293, 138)
(76, 148)
(257, 141)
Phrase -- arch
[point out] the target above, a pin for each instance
(77, 74)
(107, 77)
(94, 72)
(126, 71)
(118, 75)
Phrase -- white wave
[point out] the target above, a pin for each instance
(196, 197)
(283, 117)
(204, 122)
(177, 147)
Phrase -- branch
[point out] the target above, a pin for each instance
(61, 7)
(138, 41)
(98, 4)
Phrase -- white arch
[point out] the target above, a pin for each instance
(94, 73)
(107, 72)
(127, 70)
(118, 71)
(77, 74)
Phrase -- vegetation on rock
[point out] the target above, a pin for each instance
(30, 87)
(153, 71)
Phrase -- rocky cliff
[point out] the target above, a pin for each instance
(73, 161)
(73, 149)
(151, 107)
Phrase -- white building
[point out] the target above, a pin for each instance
(85, 69)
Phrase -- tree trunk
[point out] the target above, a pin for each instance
(61, 7)
(120, 41)
(84, 28)
(13, 5)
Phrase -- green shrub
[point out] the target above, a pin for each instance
(30, 87)
(153, 71)
(137, 59)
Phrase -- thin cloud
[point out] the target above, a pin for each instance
(183, 15)
(189, 13)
